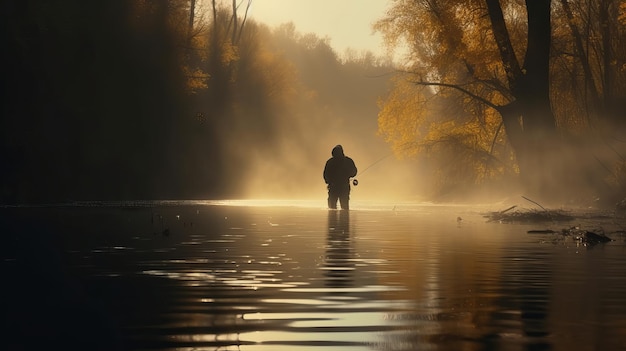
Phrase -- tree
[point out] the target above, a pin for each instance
(460, 85)
(465, 55)
(597, 48)
(527, 118)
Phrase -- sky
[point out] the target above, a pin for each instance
(348, 23)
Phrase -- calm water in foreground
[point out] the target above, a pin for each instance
(295, 276)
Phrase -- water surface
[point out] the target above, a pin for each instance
(260, 275)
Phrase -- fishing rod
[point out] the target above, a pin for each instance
(355, 182)
(406, 145)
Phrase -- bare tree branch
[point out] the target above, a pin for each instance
(245, 17)
(461, 89)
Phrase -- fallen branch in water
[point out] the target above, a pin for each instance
(508, 209)
(525, 198)
(528, 216)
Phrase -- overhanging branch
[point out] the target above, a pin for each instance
(461, 89)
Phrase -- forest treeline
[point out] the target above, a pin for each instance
(152, 100)
(146, 99)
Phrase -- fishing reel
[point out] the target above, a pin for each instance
(355, 182)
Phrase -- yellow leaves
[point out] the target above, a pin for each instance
(199, 43)
(401, 116)
(277, 75)
(229, 53)
(196, 78)
(442, 113)
(463, 140)
(617, 176)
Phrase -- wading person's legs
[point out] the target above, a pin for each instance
(332, 198)
(344, 200)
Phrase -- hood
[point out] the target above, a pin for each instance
(338, 151)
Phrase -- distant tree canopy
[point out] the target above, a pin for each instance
(492, 89)
(277, 96)
(140, 99)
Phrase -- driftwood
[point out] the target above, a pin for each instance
(536, 203)
(544, 231)
(514, 214)
(528, 215)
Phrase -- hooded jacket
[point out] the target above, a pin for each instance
(339, 169)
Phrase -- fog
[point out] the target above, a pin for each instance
(314, 100)
(293, 168)
(150, 109)
(296, 171)
(133, 113)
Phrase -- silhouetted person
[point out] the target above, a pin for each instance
(337, 173)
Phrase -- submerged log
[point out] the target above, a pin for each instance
(587, 238)
(541, 231)
(591, 238)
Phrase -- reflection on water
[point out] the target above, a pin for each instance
(339, 264)
(231, 276)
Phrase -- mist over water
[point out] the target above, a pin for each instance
(381, 175)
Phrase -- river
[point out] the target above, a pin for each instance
(292, 275)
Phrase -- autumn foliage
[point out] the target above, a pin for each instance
(475, 96)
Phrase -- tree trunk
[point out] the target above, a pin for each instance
(192, 15)
(528, 120)
(539, 120)
(233, 39)
(582, 54)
